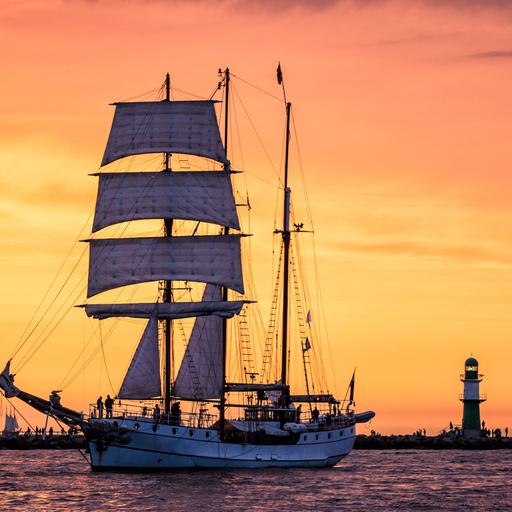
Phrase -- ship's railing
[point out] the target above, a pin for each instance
(204, 419)
(479, 378)
(201, 419)
(480, 397)
(324, 421)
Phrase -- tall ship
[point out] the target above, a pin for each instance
(193, 413)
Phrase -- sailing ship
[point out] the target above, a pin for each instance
(265, 426)
(11, 426)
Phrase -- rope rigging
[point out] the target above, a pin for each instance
(249, 326)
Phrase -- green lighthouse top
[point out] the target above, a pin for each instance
(471, 368)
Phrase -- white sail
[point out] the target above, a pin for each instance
(8, 423)
(15, 425)
(142, 379)
(208, 259)
(201, 371)
(204, 196)
(188, 127)
(11, 423)
(173, 310)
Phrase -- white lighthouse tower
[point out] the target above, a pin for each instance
(471, 399)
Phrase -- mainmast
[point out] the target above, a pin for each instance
(286, 242)
(222, 405)
(168, 284)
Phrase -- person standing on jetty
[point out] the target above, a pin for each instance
(99, 405)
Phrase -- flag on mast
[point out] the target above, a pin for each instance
(352, 386)
(308, 317)
(279, 74)
(307, 345)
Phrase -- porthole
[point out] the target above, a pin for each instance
(155, 427)
(174, 431)
(329, 436)
(341, 433)
(316, 437)
(207, 435)
(190, 433)
(305, 438)
(136, 426)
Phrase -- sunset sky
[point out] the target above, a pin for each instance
(403, 111)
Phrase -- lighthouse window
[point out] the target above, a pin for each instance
(471, 368)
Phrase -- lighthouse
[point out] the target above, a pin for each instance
(471, 398)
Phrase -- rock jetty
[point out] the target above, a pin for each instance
(413, 442)
(55, 442)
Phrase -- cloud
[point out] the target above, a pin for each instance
(50, 194)
(467, 254)
(490, 55)
(320, 5)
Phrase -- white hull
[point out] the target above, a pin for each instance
(181, 447)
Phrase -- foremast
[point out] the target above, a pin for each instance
(167, 295)
(169, 127)
(227, 168)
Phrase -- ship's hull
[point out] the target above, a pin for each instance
(149, 446)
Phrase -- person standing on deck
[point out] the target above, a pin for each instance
(99, 405)
(109, 403)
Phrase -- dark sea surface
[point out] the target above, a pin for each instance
(450, 480)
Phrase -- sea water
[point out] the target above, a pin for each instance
(405, 480)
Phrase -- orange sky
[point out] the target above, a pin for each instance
(403, 111)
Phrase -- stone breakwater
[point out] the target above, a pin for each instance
(55, 442)
(363, 442)
(410, 442)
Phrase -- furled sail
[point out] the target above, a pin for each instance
(142, 380)
(173, 310)
(188, 127)
(208, 259)
(204, 196)
(201, 371)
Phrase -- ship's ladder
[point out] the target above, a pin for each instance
(184, 164)
(245, 343)
(306, 360)
(271, 334)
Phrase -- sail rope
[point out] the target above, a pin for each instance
(258, 136)
(258, 88)
(31, 352)
(323, 331)
(23, 340)
(105, 358)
